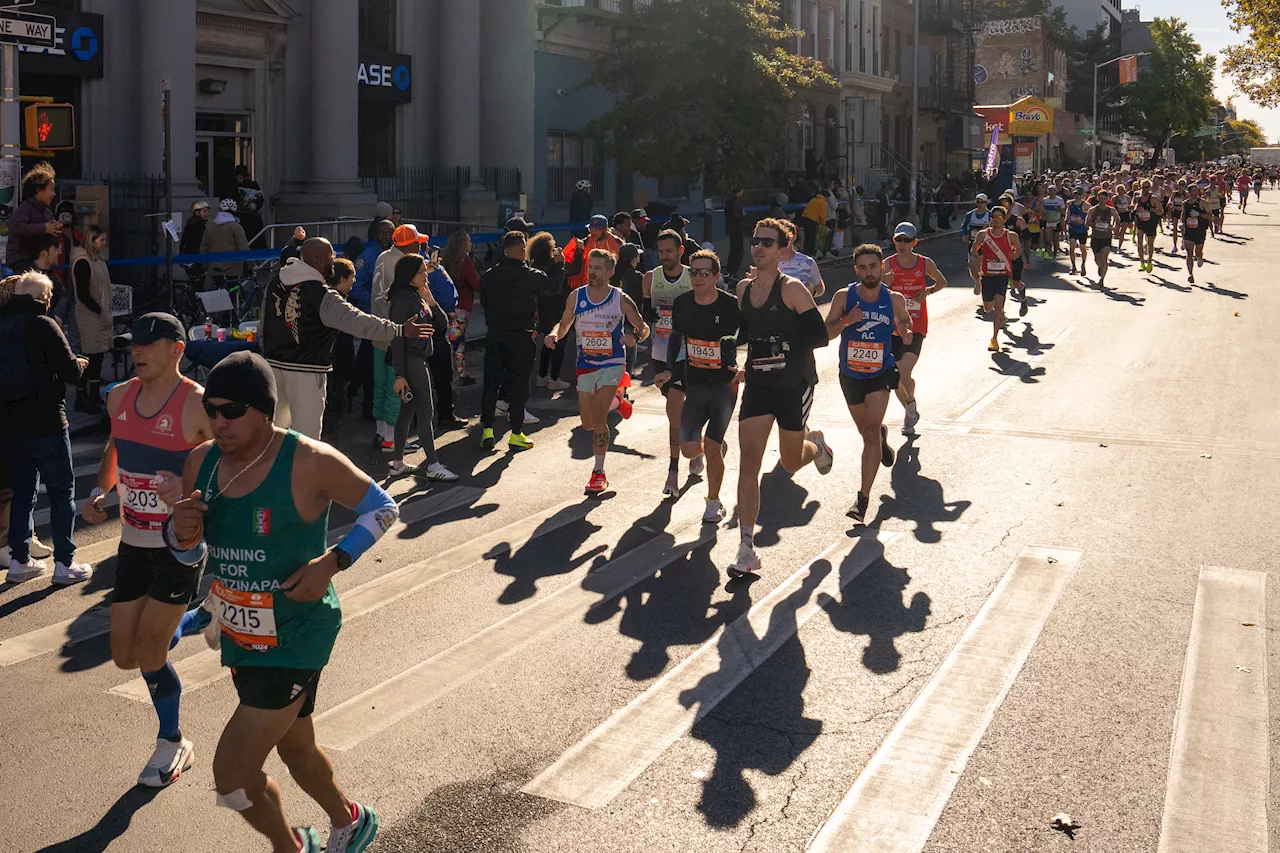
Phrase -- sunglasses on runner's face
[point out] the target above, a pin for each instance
(767, 242)
(902, 238)
(229, 411)
(705, 272)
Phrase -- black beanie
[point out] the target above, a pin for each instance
(244, 377)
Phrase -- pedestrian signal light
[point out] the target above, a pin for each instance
(50, 127)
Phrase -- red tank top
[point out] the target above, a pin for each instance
(997, 254)
(912, 284)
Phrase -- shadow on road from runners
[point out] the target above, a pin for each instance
(917, 498)
(872, 606)
(1222, 291)
(1028, 340)
(544, 557)
(1117, 296)
(761, 725)
(1006, 365)
(580, 443)
(109, 827)
(782, 505)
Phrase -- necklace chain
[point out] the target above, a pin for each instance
(213, 475)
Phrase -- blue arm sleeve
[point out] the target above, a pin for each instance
(377, 513)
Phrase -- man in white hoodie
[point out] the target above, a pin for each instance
(301, 318)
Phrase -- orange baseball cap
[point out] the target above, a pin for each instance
(407, 235)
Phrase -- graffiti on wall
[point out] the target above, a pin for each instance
(1011, 26)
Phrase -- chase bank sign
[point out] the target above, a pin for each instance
(385, 76)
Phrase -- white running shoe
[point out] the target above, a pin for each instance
(542, 381)
(911, 417)
(212, 632)
(558, 385)
(714, 513)
(398, 468)
(530, 418)
(502, 409)
(357, 835)
(39, 550)
(697, 464)
(825, 458)
(167, 763)
(19, 572)
(672, 487)
(436, 471)
(747, 562)
(64, 575)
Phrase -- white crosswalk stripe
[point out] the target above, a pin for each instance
(1219, 766)
(928, 749)
(602, 765)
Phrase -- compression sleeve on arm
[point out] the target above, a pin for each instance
(377, 513)
(813, 329)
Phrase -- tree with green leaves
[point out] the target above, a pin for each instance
(1174, 95)
(701, 89)
(1255, 65)
(1239, 135)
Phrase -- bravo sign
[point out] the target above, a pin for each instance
(1030, 117)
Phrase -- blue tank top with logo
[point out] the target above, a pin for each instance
(1075, 218)
(599, 330)
(866, 348)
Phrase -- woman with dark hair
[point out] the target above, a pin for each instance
(627, 276)
(456, 260)
(410, 297)
(545, 255)
(33, 217)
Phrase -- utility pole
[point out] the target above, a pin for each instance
(915, 102)
(166, 102)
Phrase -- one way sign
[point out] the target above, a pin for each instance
(24, 28)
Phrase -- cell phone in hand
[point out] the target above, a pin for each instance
(407, 396)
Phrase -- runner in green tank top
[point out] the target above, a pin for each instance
(257, 504)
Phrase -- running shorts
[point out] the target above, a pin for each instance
(1078, 238)
(677, 381)
(1150, 227)
(788, 406)
(156, 573)
(271, 688)
(856, 390)
(591, 381)
(1126, 216)
(1099, 243)
(993, 286)
(900, 349)
(1194, 236)
(709, 406)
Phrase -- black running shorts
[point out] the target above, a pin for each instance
(993, 286)
(271, 688)
(856, 390)
(709, 406)
(900, 349)
(788, 405)
(156, 573)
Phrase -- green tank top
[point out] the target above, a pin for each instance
(255, 543)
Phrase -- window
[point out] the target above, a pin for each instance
(862, 36)
(378, 23)
(875, 48)
(673, 186)
(571, 158)
(897, 52)
(377, 134)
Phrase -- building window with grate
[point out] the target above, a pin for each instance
(673, 186)
(571, 158)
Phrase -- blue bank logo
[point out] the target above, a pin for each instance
(402, 77)
(84, 44)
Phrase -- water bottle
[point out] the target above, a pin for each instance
(208, 330)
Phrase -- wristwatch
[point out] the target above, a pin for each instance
(344, 559)
(96, 493)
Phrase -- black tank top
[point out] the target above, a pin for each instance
(774, 358)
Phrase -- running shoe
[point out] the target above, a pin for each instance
(994, 346)
(697, 464)
(167, 762)
(531, 419)
(388, 446)
(714, 513)
(398, 468)
(211, 632)
(1023, 308)
(624, 407)
(308, 840)
(746, 563)
(1199, 262)
(487, 441)
(436, 471)
(558, 385)
(20, 572)
(858, 512)
(519, 441)
(542, 381)
(910, 417)
(598, 483)
(355, 836)
(886, 452)
(825, 458)
(38, 549)
(672, 488)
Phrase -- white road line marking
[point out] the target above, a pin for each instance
(895, 802)
(97, 621)
(1219, 764)
(204, 668)
(599, 767)
(982, 399)
(378, 708)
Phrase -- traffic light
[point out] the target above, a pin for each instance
(50, 127)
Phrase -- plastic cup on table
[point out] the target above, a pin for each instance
(222, 336)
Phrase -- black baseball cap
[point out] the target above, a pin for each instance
(150, 328)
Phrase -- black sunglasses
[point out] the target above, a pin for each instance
(902, 238)
(704, 272)
(767, 242)
(395, 213)
(229, 411)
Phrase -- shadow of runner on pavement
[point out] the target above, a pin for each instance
(916, 497)
(110, 826)
(872, 606)
(782, 505)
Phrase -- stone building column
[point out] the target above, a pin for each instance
(459, 43)
(167, 37)
(506, 77)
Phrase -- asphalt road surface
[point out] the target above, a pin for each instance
(1059, 606)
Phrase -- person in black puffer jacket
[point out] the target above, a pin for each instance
(545, 255)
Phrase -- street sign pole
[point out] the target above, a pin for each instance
(10, 135)
(168, 182)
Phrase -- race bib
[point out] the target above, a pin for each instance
(995, 266)
(140, 503)
(247, 618)
(703, 355)
(1193, 220)
(1144, 215)
(663, 327)
(1102, 226)
(1076, 220)
(913, 307)
(865, 356)
(595, 344)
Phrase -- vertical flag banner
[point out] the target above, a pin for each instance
(1128, 69)
(993, 153)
